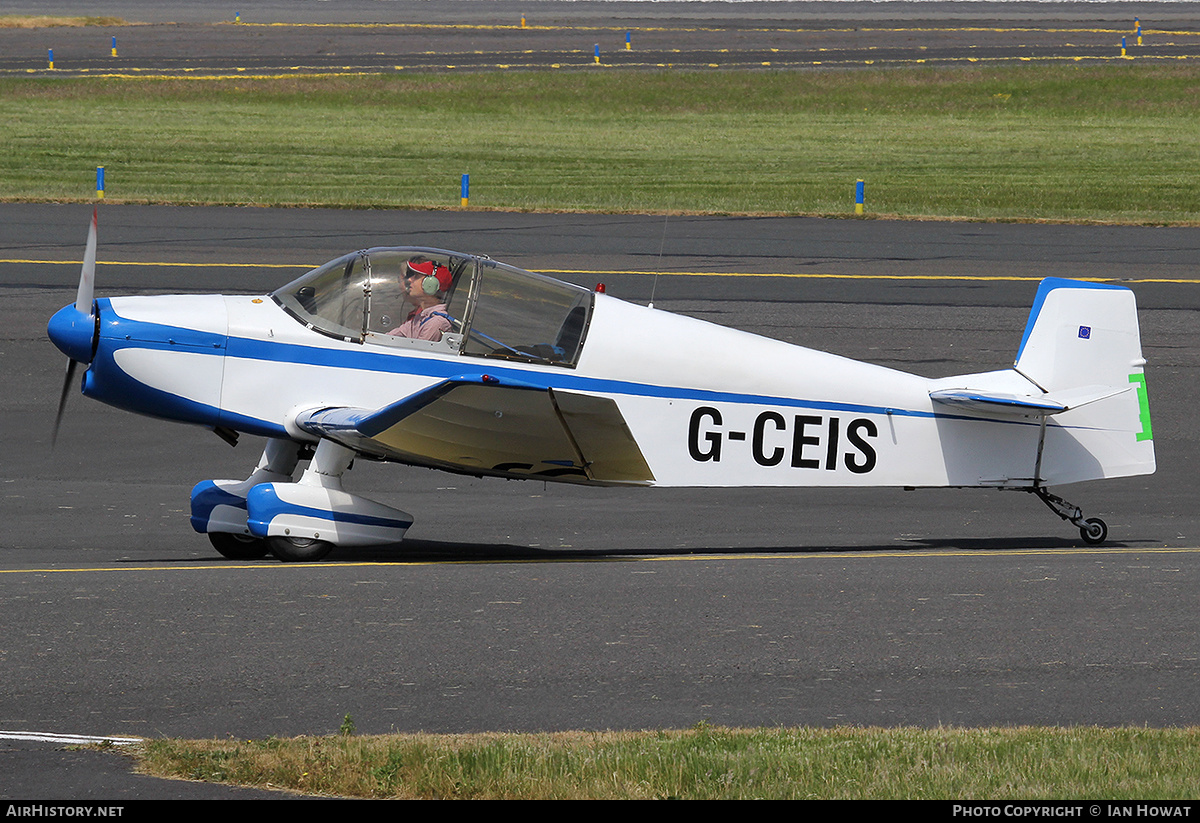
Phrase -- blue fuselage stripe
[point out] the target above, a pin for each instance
(369, 361)
(136, 334)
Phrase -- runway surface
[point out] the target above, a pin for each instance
(518, 606)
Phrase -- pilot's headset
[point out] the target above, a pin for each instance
(434, 278)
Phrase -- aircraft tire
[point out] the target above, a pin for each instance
(1094, 531)
(298, 549)
(238, 546)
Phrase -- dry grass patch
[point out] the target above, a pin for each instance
(14, 21)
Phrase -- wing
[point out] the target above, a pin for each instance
(479, 424)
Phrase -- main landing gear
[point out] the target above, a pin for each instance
(300, 521)
(238, 546)
(1093, 530)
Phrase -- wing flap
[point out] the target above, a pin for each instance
(608, 448)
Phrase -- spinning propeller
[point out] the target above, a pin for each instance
(73, 328)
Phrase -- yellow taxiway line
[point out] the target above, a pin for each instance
(733, 554)
(302, 267)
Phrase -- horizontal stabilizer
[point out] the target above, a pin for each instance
(1024, 405)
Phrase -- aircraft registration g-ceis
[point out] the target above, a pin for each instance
(457, 362)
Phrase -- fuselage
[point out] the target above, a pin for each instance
(707, 405)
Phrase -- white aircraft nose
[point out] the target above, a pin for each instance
(74, 333)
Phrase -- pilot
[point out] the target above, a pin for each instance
(424, 285)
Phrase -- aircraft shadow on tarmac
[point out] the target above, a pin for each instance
(432, 549)
(411, 551)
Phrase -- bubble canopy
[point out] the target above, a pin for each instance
(494, 310)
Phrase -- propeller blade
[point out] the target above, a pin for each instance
(62, 400)
(87, 277)
(83, 304)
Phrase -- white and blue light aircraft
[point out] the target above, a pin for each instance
(534, 378)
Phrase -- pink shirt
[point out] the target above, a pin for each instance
(426, 324)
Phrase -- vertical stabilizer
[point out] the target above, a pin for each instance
(1085, 335)
(1080, 334)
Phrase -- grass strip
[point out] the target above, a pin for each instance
(1115, 142)
(708, 763)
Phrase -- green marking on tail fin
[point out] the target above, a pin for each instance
(1144, 405)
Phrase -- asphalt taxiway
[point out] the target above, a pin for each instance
(300, 39)
(523, 606)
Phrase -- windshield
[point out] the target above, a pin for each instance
(442, 301)
(330, 299)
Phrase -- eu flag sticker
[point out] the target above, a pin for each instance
(1085, 332)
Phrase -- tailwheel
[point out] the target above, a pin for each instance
(238, 546)
(1093, 530)
(298, 549)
